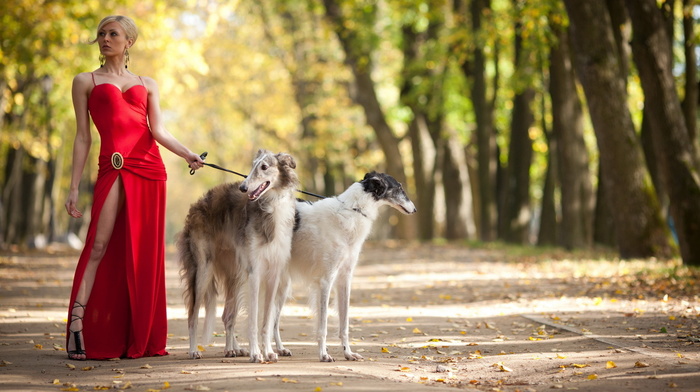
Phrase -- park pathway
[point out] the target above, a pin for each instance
(425, 317)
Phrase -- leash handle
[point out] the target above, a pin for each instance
(203, 156)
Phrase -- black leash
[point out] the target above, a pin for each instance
(204, 156)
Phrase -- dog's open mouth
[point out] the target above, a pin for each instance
(252, 196)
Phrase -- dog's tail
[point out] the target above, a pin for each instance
(188, 269)
(196, 276)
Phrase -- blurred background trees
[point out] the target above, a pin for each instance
(551, 122)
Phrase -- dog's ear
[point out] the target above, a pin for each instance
(374, 184)
(286, 159)
(259, 153)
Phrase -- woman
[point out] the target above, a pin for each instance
(117, 306)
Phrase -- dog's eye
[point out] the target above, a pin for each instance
(264, 167)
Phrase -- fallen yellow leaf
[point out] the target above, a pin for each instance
(501, 367)
(639, 364)
(610, 365)
(289, 380)
(38, 346)
(409, 319)
(166, 385)
(385, 350)
(416, 330)
(592, 376)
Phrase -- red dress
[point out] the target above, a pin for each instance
(125, 315)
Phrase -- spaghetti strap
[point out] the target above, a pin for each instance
(93, 79)
(142, 83)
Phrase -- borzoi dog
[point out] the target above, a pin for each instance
(239, 232)
(328, 238)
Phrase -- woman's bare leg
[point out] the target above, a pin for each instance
(108, 216)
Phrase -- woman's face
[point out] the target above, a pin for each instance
(112, 39)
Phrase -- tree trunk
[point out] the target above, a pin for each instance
(487, 158)
(639, 228)
(515, 214)
(424, 156)
(690, 100)
(365, 95)
(547, 234)
(459, 215)
(577, 198)
(603, 221)
(675, 153)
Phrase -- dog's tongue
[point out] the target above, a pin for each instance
(256, 193)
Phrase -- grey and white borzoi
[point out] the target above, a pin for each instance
(236, 233)
(328, 238)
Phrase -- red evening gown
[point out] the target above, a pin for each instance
(125, 315)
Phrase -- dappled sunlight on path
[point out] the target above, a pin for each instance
(425, 317)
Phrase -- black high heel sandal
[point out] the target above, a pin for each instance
(79, 350)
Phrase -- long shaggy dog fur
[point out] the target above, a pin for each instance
(328, 238)
(236, 233)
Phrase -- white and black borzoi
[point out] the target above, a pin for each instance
(236, 233)
(328, 238)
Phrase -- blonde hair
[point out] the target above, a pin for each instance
(127, 24)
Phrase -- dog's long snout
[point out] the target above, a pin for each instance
(243, 188)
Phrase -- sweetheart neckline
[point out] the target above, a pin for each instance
(117, 87)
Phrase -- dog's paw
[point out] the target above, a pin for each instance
(256, 358)
(327, 358)
(238, 352)
(272, 357)
(351, 356)
(284, 352)
(195, 354)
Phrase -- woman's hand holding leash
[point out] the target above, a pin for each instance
(197, 163)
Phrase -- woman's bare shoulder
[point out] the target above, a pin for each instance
(149, 81)
(83, 79)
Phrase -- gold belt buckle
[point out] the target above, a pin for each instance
(117, 161)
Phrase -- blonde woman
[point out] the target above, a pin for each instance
(117, 304)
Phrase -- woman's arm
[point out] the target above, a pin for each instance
(162, 136)
(83, 140)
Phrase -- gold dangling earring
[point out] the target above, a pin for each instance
(102, 60)
(126, 60)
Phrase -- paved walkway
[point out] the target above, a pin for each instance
(426, 318)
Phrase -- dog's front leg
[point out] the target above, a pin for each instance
(283, 292)
(324, 294)
(269, 316)
(343, 320)
(253, 300)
